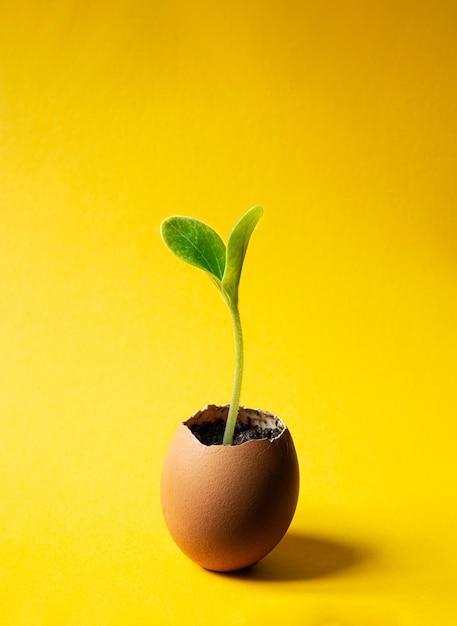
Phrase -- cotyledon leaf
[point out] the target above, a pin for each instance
(196, 243)
(236, 250)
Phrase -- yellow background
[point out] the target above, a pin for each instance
(340, 117)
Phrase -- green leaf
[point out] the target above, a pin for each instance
(196, 243)
(236, 250)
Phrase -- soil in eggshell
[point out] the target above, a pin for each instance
(212, 433)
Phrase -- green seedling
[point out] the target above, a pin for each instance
(197, 243)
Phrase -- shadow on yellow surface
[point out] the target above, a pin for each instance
(304, 557)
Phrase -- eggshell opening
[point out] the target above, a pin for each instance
(226, 507)
(252, 418)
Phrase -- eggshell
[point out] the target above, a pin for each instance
(227, 507)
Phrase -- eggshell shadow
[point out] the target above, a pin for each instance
(305, 557)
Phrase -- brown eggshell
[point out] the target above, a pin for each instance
(227, 507)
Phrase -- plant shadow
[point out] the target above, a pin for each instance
(304, 557)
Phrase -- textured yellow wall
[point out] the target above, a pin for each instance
(341, 119)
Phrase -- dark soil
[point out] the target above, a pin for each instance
(212, 433)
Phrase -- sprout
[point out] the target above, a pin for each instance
(197, 243)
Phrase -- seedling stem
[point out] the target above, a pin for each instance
(238, 377)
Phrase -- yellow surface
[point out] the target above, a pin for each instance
(341, 119)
